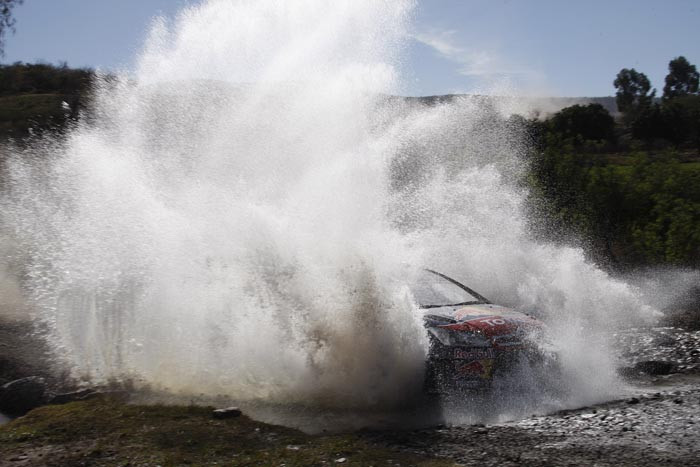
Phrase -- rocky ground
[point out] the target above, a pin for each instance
(660, 428)
(658, 425)
(677, 347)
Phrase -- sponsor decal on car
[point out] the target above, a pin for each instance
(474, 363)
(479, 368)
(506, 330)
(473, 354)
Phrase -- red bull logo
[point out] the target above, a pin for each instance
(478, 368)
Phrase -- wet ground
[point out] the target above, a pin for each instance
(656, 423)
(675, 345)
(657, 428)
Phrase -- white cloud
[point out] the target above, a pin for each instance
(471, 62)
(441, 41)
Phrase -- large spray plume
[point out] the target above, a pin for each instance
(233, 215)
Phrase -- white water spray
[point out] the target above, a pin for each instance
(232, 217)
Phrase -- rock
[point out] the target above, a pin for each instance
(229, 412)
(664, 340)
(341, 460)
(686, 311)
(22, 395)
(74, 396)
(655, 367)
(634, 400)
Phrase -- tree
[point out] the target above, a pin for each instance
(632, 92)
(590, 122)
(682, 79)
(676, 122)
(648, 124)
(7, 21)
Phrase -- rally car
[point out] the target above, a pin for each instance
(472, 341)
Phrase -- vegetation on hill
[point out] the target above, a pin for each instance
(627, 188)
(40, 97)
(630, 209)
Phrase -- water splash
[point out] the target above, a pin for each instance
(233, 215)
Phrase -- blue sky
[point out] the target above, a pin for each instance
(546, 47)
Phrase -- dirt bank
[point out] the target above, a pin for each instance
(107, 432)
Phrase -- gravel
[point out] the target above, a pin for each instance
(661, 428)
(659, 425)
(675, 345)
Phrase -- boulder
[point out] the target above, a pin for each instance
(229, 412)
(22, 395)
(648, 367)
(74, 396)
(685, 312)
(655, 367)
